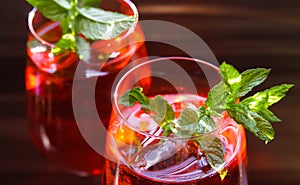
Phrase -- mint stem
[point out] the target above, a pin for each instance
(73, 15)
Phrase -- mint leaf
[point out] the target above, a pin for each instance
(91, 29)
(216, 99)
(232, 79)
(192, 123)
(187, 123)
(89, 3)
(96, 24)
(252, 121)
(162, 111)
(63, 3)
(83, 48)
(266, 131)
(213, 150)
(188, 116)
(267, 114)
(207, 124)
(252, 78)
(260, 102)
(120, 26)
(268, 97)
(65, 43)
(103, 16)
(50, 9)
(134, 95)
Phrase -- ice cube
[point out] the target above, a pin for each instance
(155, 153)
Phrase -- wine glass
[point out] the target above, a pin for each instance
(140, 151)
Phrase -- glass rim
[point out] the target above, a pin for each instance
(225, 119)
(34, 10)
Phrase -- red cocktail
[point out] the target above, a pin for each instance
(49, 83)
(141, 154)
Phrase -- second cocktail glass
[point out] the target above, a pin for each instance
(49, 82)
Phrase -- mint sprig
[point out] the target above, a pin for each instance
(191, 122)
(252, 112)
(161, 111)
(82, 22)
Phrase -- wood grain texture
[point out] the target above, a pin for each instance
(245, 33)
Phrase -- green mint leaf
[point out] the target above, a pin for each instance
(83, 49)
(66, 42)
(252, 78)
(207, 124)
(187, 123)
(193, 122)
(232, 79)
(94, 3)
(162, 111)
(252, 121)
(120, 26)
(266, 131)
(91, 29)
(96, 23)
(260, 102)
(213, 150)
(50, 9)
(216, 99)
(134, 95)
(188, 116)
(63, 3)
(267, 114)
(103, 16)
(268, 97)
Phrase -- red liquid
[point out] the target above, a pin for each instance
(188, 166)
(49, 81)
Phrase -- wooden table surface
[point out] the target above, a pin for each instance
(247, 33)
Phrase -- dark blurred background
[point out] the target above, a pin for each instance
(245, 33)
